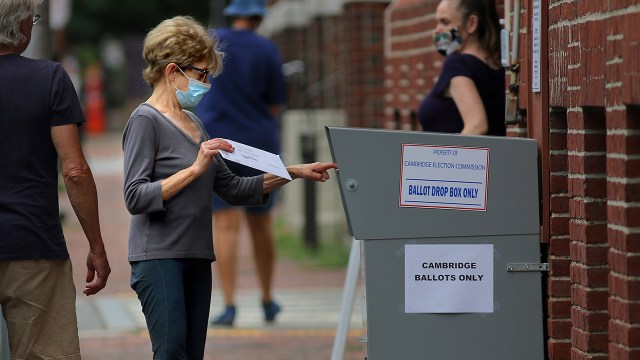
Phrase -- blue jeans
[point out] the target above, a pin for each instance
(175, 295)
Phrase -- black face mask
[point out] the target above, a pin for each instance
(448, 42)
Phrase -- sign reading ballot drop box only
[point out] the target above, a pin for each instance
(448, 278)
(444, 177)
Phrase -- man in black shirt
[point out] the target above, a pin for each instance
(39, 117)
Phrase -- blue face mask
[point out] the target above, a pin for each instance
(191, 97)
(448, 42)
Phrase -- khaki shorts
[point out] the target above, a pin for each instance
(38, 301)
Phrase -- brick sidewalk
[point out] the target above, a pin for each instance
(105, 157)
(267, 345)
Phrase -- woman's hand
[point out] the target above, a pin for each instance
(208, 150)
(314, 171)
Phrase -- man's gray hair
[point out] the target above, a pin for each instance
(12, 13)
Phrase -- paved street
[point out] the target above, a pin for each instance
(304, 308)
(112, 326)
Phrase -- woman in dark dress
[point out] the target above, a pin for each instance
(469, 96)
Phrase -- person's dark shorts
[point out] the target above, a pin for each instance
(245, 171)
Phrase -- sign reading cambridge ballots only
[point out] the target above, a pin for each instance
(445, 177)
(448, 278)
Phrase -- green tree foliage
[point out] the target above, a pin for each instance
(93, 19)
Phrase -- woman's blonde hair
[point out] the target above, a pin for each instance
(180, 40)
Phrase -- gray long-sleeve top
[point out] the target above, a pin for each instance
(180, 227)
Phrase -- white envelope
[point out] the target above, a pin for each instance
(256, 158)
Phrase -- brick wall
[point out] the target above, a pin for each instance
(291, 43)
(317, 46)
(411, 62)
(362, 42)
(589, 52)
(592, 147)
(343, 57)
(593, 152)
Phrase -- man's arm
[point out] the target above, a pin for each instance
(83, 196)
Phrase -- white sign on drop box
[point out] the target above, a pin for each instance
(452, 278)
(444, 177)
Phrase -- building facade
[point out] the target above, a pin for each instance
(573, 85)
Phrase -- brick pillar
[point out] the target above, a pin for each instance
(623, 187)
(558, 284)
(587, 229)
(623, 167)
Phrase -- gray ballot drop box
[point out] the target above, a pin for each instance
(415, 190)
